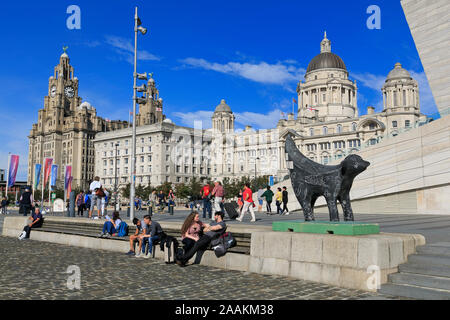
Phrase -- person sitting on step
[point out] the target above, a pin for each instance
(152, 233)
(111, 227)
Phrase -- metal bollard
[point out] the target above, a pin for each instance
(128, 212)
(150, 211)
(72, 204)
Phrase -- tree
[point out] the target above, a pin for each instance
(125, 191)
(183, 191)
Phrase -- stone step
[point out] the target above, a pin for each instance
(432, 270)
(435, 249)
(420, 280)
(414, 292)
(429, 259)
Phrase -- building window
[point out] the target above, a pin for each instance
(407, 123)
(325, 130)
(311, 132)
(339, 128)
(394, 124)
(354, 126)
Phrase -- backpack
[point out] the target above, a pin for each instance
(123, 229)
(100, 193)
(223, 243)
(172, 249)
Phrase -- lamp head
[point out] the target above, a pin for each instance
(142, 30)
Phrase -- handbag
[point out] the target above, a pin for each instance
(100, 193)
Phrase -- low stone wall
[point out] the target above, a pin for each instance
(331, 259)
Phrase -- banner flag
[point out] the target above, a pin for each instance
(54, 175)
(47, 169)
(67, 176)
(13, 165)
(37, 174)
(69, 186)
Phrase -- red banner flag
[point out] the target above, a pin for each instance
(47, 169)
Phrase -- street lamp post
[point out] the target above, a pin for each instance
(115, 179)
(137, 27)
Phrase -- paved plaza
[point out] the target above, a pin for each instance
(37, 270)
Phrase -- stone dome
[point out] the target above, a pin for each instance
(326, 60)
(86, 105)
(167, 120)
(398, 73)
(223, 107)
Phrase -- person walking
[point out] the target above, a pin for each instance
(97, 194)
(26, 201)
(206, 190)
(171, 201)
(260, 199)
(285, 201)
(218, 193)
(248, 203)
(80, 203)
(4, 205)
(279, 200)
(162, 201)
(153, 199)
(268, 195)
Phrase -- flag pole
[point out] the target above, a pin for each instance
(50, 187)
(43, 179)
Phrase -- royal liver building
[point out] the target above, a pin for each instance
(327, 127)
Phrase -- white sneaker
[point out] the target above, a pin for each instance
(22, 235)
(252, 220)
(240, 220)
(287, 213)
(148, 255)
(138, 254)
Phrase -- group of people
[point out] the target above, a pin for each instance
(195, 236)
(160, 200)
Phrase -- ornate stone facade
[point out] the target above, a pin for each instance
(65, 128)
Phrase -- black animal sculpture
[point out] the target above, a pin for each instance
(311, 180)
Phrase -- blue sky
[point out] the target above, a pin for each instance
(251, 53)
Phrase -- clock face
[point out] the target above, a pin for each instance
(53, 91)
(69, 92)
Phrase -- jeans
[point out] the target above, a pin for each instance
(269, 207)
(26, 209)
(150, 241)
(108, 226)
(27, 228)
(217, 204)
(248, 206)
(285, 208)
(279, 211)
(188, 243)
(202, 243)
(206, 207)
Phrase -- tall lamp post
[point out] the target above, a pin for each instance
(115, 179)
(136, 76)
(256, 159)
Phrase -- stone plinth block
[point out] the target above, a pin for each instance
(324, 227)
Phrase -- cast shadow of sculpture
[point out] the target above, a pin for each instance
(311, 180)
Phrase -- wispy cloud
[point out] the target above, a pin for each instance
(369, 80)
(125, 49)
(257, 120)
(262, 72)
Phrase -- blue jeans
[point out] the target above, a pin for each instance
(206, 207)
(150, 241)
(108, 226)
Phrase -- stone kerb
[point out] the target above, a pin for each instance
(343, 261)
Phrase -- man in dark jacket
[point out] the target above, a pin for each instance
(26, 201)
(285, 201)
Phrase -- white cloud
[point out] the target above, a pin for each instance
(125, 48)
(427, 103)
(369, 80)
(262, 72)
(257, 120)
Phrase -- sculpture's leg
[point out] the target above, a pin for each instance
(307, 211)
(332, 208)
(313, 202)
(347, 208)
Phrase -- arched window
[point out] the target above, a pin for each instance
(339, 128)
(311, 132)
(354, 126)
(325, 130)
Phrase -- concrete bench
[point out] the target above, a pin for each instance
(93, 230)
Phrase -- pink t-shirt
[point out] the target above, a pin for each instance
(194, 230)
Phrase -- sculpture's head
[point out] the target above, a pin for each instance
(353, 165)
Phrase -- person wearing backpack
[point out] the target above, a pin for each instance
(210, 232)
(111, 227)
(97, 195)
